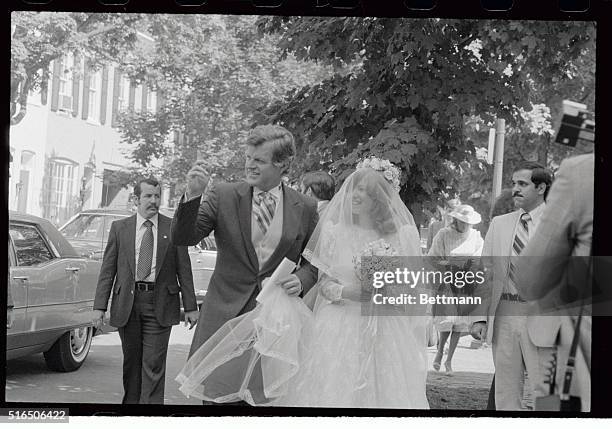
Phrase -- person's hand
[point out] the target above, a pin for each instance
(10, 318)
(550, 369)
(197, 179)
(479, 330)
(191, 317)
(291, 284)
(98, 318)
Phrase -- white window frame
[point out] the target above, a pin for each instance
(93, 108)
(63, 178)
(66, 79)
(138, 98)
(123, 99)
(151, 101)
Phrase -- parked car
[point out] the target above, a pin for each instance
(52, 289)
(88, 232)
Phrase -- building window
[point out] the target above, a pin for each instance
(65, 83)
(93, 108)
(151, 101)
(138, 98)
(61, 192)
(124, 94)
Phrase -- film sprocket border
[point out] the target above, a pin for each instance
(521, 10)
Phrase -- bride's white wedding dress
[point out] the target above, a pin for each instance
(356, 360)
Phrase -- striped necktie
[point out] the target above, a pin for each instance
(520, 241)
(145, 257)
(263, 209)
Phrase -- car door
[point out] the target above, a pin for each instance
(19, 297)
(203, 260)
(51, 283)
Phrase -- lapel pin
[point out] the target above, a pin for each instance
(165, 236)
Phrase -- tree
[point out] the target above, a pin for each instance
(404, 88)
(214, 72)
(39, 38)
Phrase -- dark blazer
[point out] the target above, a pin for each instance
(172, 274)
(237, 277)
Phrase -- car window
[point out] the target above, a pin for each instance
(86, 227)
(89, 227)
(30, 247)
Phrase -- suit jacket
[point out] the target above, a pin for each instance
(564, 237)
(172, 274)
(496, 252)
(236, 280)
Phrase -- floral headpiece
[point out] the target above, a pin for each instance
(389, 171)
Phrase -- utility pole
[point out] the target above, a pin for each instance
(498, 159)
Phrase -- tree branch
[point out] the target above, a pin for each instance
(23, 102)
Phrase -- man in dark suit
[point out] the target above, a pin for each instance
(257, 223)
(145, 273)
(319, 185)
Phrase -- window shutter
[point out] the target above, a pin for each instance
(55, 84)
(75, 87)
(132, 98)
(143, 102)
(86, 78)
(115, 107)
(160, 100)
(104, 95)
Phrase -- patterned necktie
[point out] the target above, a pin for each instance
(520, 241)
(145, 257)
(263, 209)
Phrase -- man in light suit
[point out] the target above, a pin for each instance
(257, 223)
(145, 274)
(564, 237)
(502, 318)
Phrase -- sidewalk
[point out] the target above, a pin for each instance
(468, 387)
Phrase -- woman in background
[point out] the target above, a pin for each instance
(454, 245)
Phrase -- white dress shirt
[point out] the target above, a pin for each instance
(140, 230)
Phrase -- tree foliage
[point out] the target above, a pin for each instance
(403, 89)
(214, 73)
(38, 38)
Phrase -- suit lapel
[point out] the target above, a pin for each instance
(130, 236)
(292, 213)
(163, 229)
(245, 194)
(509, 241)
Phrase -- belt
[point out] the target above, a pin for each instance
(512, 297)
(145, 286)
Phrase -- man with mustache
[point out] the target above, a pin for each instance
(145, 273)
(504, 318)
(257, 223)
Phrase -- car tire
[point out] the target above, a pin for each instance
(69, 352)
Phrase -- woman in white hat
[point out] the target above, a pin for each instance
(458, 241)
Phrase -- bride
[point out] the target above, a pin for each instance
(349, 351)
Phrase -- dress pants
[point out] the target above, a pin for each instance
(513, 352)
(145, 345)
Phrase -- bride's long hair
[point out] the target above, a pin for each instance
(380, 213)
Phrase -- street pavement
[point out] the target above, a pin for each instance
(99, 379)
